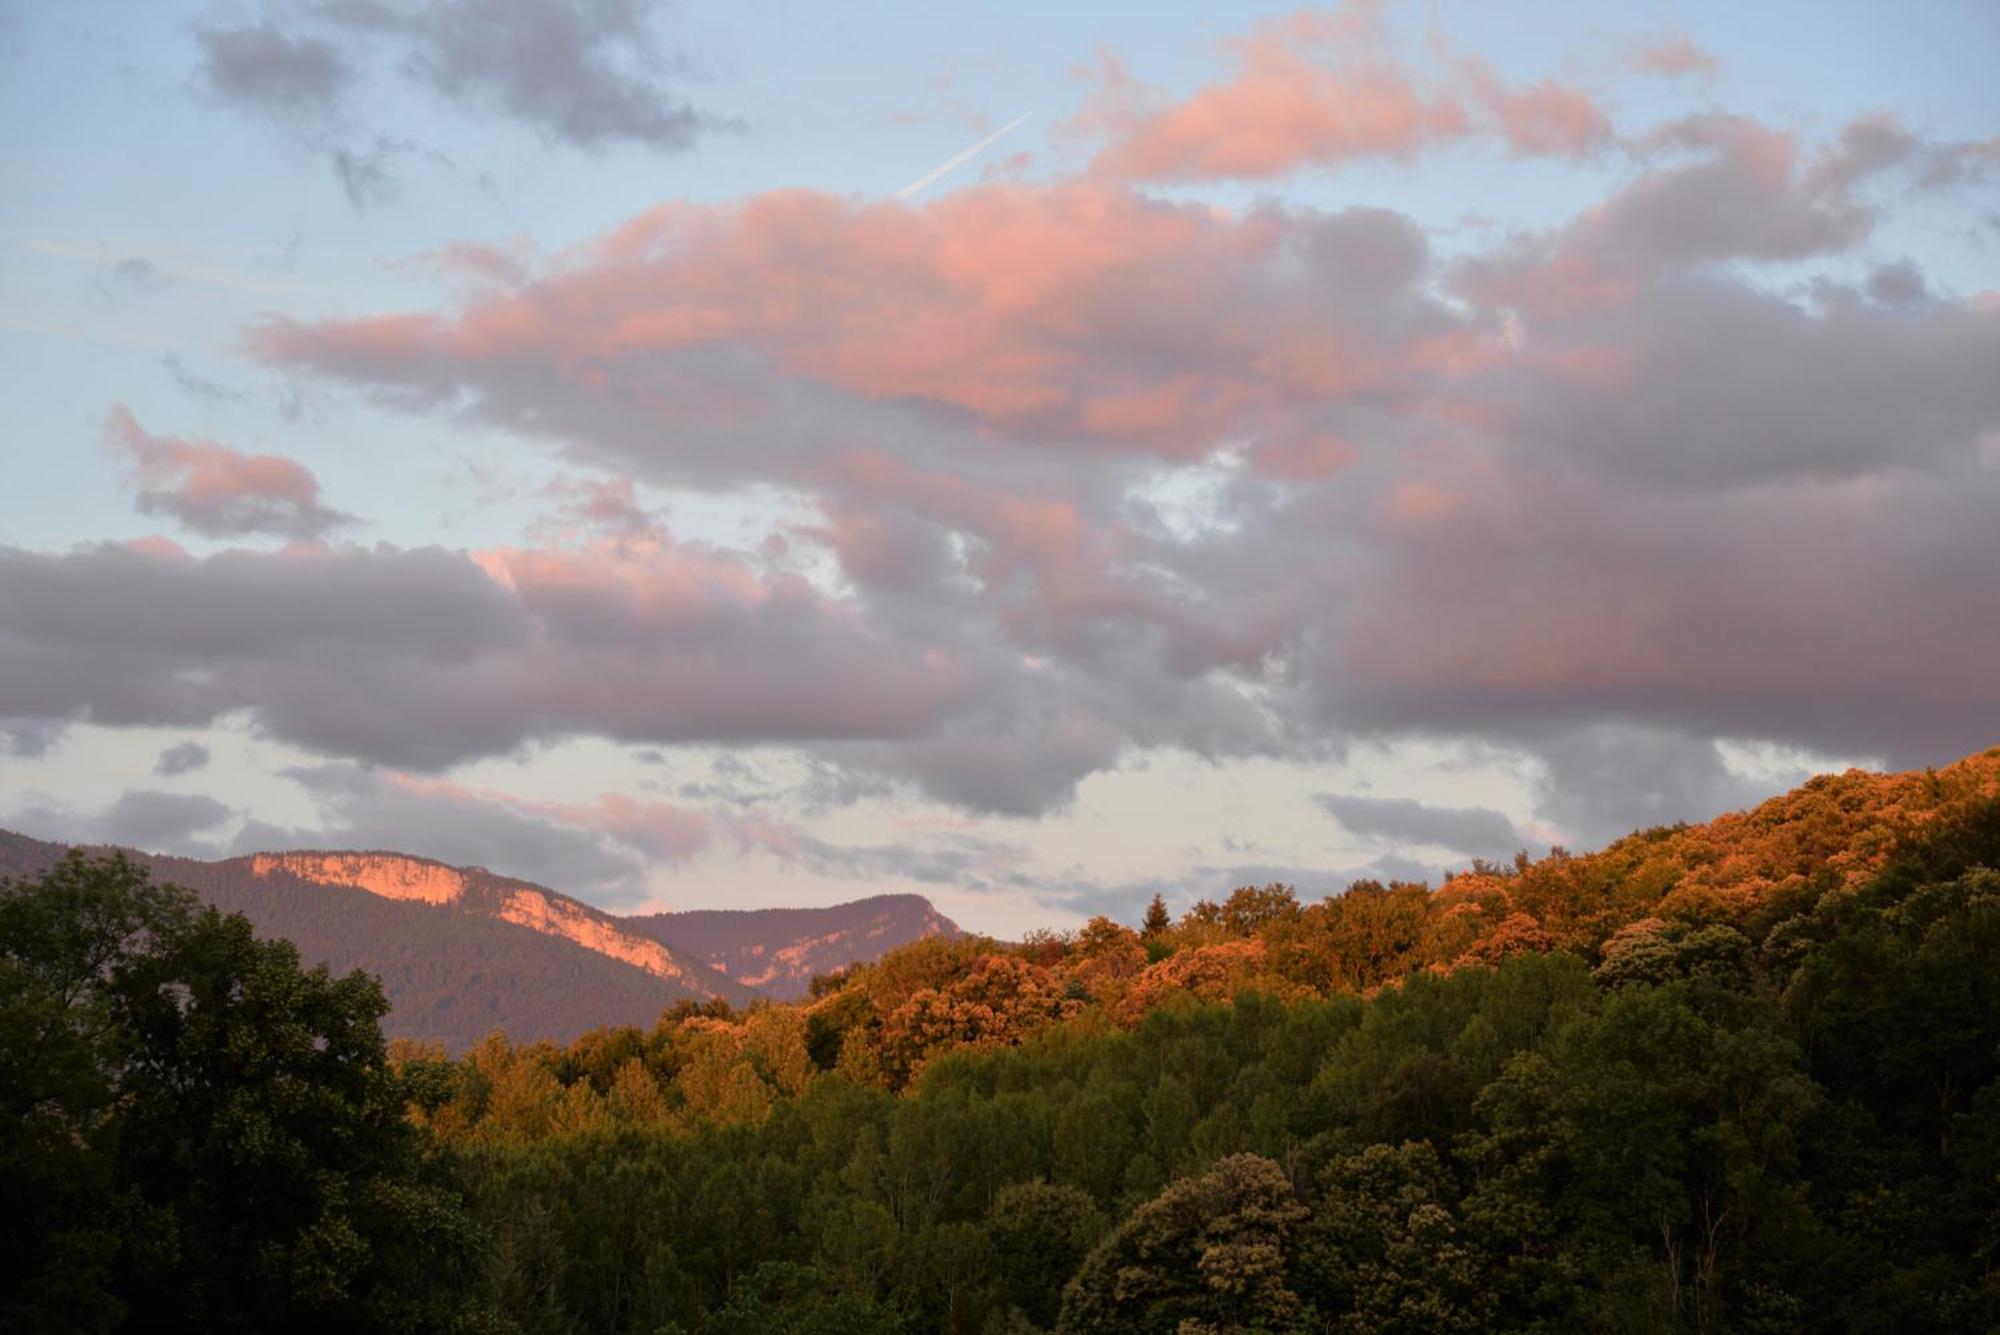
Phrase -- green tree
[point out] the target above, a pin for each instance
(1205, 1255)
(799, 1300)
(1041, 1232)
(61, 1051)
(1385, 1253)
(241, 1120)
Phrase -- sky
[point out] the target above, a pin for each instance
(737, 455)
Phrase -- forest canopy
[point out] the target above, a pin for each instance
(1740, 1076)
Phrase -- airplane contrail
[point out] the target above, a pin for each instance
(960, 158)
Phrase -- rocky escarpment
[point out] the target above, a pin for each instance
(400, 877)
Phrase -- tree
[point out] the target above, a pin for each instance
(60, 1052)
(800, 1300)
(1385, 1252)
(1207, 1254)
(237, 1119)
(1041, 1232)
(1157, 920)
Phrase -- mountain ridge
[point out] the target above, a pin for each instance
(463, 950)
(824, 941)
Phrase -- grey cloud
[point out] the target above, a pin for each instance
(211, 394)
(30, 738)
(1897, 284)
(181, 758)
(292, 77)
(419, 658)
(1719, 383)
(139, 275)
(1745, 197)
(1479, 831)
(1601, 782)
(157, 822)
(367, 175)
(1848, 619)
(590, 73)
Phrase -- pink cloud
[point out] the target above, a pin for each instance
(1674, 56)
(1547, 119)
(217, 491)
(1321, 90)
(1075, 313)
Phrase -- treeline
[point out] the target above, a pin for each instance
(1743, 1076)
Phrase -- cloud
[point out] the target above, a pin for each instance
(1601, 782)
(181, 758)
(157, 822)
(1471, 830)
(425, 658)
(1749, 193)
(139, 276)
(1068, 471)
(30, 738)
(261, 68)
(1713, 382)
(1898, 284)
(1617, 476)
(768, 330)
(1674, 55)
(1321, 90)
(663, 831)
(216, 491)
(591, 74)
(588, 72)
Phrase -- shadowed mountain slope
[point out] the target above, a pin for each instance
(777, 951)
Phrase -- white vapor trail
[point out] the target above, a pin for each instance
(963, 156)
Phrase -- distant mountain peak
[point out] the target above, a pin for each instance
(463, 950)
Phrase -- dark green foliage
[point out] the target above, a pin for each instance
(203, 1136)
(1040, 1233)
(1208, 1253)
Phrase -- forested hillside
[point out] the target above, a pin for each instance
(1742, 1076)
(1737, 1076)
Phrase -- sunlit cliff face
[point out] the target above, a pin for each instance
(589, 929)
(388, 876)
(401, 878)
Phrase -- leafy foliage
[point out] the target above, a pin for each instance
(204, 1136)
(1743, 1076)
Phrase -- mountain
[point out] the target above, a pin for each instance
(462, 951)
(777, 951)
